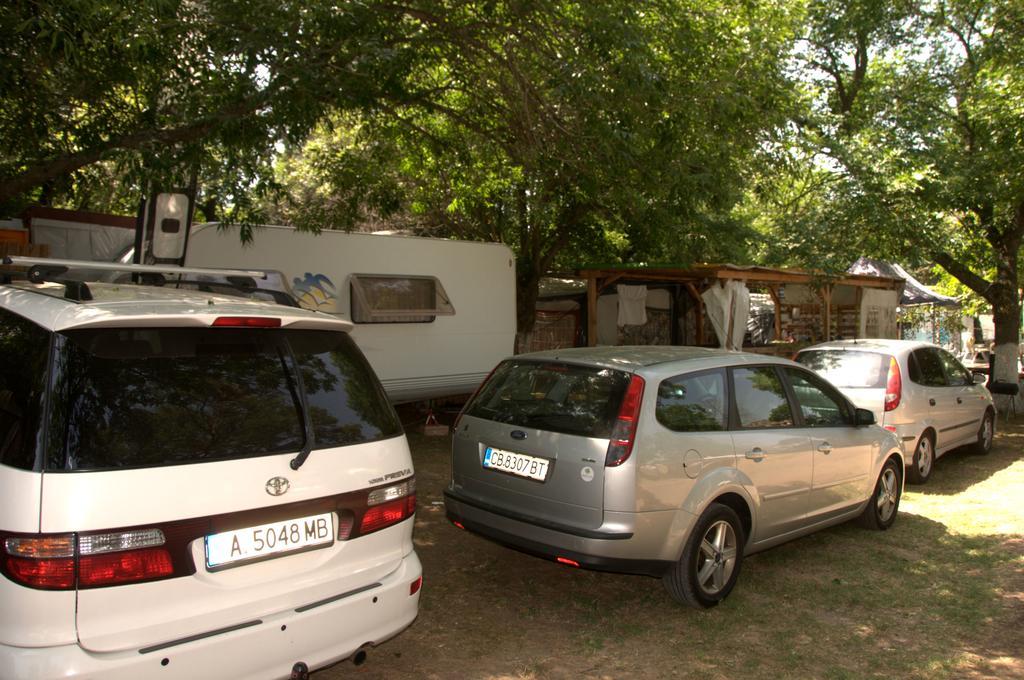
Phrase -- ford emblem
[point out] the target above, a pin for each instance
(277, 486)
(518, 434)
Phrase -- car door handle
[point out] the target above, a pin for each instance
(825, 448)
(959, 400)
(756, 454)
(931, 402)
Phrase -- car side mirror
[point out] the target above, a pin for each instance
(980, 378)
(862, 416)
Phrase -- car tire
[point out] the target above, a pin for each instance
(923, 462)
(711, 559)
(880, 512)
(985, 434)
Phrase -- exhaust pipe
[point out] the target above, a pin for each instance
(300, 671)
(359, 658)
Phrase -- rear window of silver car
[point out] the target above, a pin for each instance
(566, 398)
(141, 397)
(848, 368)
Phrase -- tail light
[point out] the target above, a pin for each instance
(469, 401)
(41, 561)
(893, 386)
(384, 507)
(621, 445)
(67, 561)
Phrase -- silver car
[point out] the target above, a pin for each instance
(669, 461)
(916, 390)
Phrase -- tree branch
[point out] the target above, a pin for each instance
(52, 168)
(963, 273)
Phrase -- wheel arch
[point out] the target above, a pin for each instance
(726, 486)
(897, 457)
(740, 506)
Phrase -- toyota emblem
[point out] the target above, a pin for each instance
(277, 486)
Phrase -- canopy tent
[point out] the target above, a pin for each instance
(914, 292)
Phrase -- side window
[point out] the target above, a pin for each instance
(24, 352)
(820, 406)
(398, 299)
(926, 368)
(692, 403)
(955, 371)
(760, 398)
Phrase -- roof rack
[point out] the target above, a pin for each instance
(40, 270)
(51, 263)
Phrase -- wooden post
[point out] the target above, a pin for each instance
(699, 316)
(592, 312)
(826, 296)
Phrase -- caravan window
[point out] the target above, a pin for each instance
(378, 298)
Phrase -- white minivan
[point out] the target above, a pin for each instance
(193, 485)
(916, 389)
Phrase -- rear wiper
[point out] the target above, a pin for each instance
(299, 394)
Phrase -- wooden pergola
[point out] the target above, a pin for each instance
(699, 278)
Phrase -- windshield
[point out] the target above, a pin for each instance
(578, 400)
(848, 368)
(137, 397)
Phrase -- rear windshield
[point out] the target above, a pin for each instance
(848, 368)
(141, 397)
(576, 400)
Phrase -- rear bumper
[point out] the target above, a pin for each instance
(587, 549)
(318, 634)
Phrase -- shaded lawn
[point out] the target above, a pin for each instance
(940, 595)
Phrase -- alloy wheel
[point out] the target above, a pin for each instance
(925, 457)
(888, 494)
(717, 557)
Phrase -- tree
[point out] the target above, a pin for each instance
(617, 131)
(150, 91)
(910, 144)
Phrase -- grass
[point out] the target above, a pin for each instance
(940, 595)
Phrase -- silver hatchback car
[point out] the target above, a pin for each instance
(668, 461)
(916, 390)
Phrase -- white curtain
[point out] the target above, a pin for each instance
(632, 305)
(728, 308)
(78, 241)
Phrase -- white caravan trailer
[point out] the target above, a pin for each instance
(433, 316)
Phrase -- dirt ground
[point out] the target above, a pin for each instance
(927, 599)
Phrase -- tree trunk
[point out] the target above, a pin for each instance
(1006, 316)
(527, 292)
(1001, 293)
(1005, 300)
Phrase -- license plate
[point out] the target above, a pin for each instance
(516, 463)
(274, 539)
